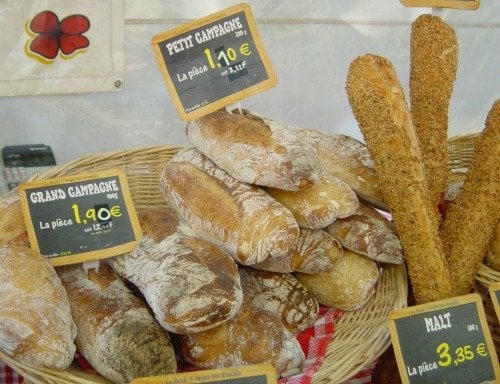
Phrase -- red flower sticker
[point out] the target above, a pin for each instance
(49, 36)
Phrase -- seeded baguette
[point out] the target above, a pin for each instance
(379, 106)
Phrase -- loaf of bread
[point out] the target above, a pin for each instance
(378, 103)
(253, 336)
(117, 334)
(282, 295)
(317, 205)
(36, 326)
(347, 159)
(369, 233)
(255, 149)
(314, 251)
(348, 286)
(241, 218)
(470, 221)
(12, 226)
(158, 222)
(190, 284)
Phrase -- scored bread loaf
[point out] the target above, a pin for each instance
(282, 295)
(315, 206)
(253, 336)
(348, 286)
(347, 159)
(314, 251)
(241, 218)
(36, 326)
(189, 283)
(369, 233)
(255, 149)
(117, 334)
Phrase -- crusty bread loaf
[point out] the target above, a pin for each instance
(317, 205)
(253, 336)
(158, 222)
(378, 104)
(190, 284)
(12, 226)
(369, 233)
(36, 326)
(255, 149)
(314, 251)
(117, 334)
(282, 295)
(347, 159)
(348, 286)
(241, 218)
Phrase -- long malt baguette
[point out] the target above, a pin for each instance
(378, 103)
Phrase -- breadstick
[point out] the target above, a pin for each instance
(470, 220)
(433, 69)
(378, 103)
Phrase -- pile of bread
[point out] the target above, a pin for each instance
(263, 223)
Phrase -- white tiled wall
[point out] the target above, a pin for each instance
(310, 43)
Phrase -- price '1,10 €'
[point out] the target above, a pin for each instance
(225, 56)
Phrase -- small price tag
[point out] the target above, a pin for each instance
(456, 4)
(73, 219)
(495, 297)
(213, 61)
(445, 341)
(250, 374)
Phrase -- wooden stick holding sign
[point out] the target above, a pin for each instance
(213, 61)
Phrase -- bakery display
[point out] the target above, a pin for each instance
(257, 226)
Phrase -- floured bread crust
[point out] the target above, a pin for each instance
(317, 205)
(282, 295)
(314, 251)
(369, 233)
(241, 218)
(253, 336)
(255, 149)
(36, 326)
(348, 286)
(117, 334)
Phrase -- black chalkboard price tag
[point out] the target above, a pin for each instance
(445, 341)
(213, 62)
(79, 218)
(249, 374)
(494, 290)
(455, 4)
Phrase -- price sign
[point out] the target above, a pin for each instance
(250, 374)
(457, 4)
(495, 297)
(213, 62)
(80, 218)
(445, 341)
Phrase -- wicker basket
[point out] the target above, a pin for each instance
(360, 336)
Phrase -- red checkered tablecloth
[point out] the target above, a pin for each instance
(314, 341)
